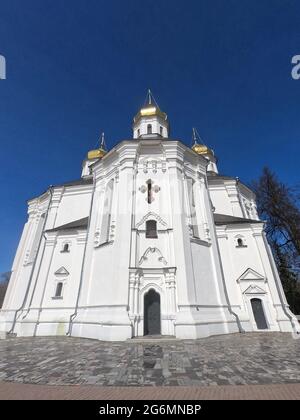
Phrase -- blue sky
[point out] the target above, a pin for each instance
(77, 68)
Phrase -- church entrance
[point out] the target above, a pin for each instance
(152, 313)
(259, 315)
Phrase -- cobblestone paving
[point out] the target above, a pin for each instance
(235, 359)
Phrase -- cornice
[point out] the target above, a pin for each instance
(77, 190)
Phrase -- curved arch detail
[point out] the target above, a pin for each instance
(154, 250)
(151, 214)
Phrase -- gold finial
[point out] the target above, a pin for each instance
(98, 153)
(102, 144)
(149, 97)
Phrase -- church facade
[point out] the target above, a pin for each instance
(151, 240)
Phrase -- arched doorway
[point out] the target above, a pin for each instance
(259, 315)
(152, 313)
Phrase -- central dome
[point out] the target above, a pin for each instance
(150, 121)
(150, 110)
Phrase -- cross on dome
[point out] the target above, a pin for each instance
(198, 146)
(101, 151)
(150, 121)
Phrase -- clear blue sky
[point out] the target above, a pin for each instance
(75, 68)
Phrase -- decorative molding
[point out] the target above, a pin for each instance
(112, 231)
(153, 251)
(62, 271)
(201, 242)
(148, 215)
(206, 231)
(26, 258)
(250, 275)
(151, 285)
(97, 237)
(154, 166)
(254, 290)
(143, 189)
(154, 188)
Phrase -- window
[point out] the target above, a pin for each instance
(58, 291)
(161, 130)
(259, 314)
(151, 229)
(66, 248)
(149, 191)
(240, 243)
(139, 132)
(149, 129)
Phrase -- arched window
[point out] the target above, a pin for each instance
(152, 313)
(161, 130)
(58, 291)
(149, 129)
(139, 132)
(151, 229)
(259, 314)
(66, 248)
(240, 242)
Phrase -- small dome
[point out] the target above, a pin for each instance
(202, 149)
(150, 109)
(97, 153)
(198, 147)
(100, 152)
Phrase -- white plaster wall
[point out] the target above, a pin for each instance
(156, 123)
(74, 205)
(110, 280)
(220, 200)
(236, 261)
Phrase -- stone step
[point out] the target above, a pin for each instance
(3, 335)
(153, 338)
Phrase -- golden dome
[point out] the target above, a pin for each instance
(201, 149)
(150, 109)
(100, 152)
(96, 154)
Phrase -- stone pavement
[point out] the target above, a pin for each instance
(13, 391)
(236, 359)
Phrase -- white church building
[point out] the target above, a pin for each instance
(151, 240)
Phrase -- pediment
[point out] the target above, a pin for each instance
(151, 215)
(62, 271)
(250, 275)
(254, 290)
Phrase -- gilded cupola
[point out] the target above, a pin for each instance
(150, 121)
(100, 152)
(201, 149)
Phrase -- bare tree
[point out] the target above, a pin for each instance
(4, 279)
(278, 205)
